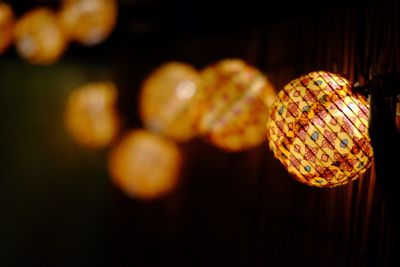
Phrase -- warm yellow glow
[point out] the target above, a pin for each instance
(88, 21)
(145, 165)
(236, 109)
(38, 37)
(91, 115)
(318, 129)
(6, 26)
(169, 101)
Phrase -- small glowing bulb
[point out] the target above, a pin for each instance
(6, 26)
(89, 22)
(144, 165)
(38, 37)
(91, 115)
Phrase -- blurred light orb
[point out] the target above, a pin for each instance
(145, 165)
(6, 26)
(39, 38)
(236, 109)
(91, 116)
(88, 22)
(318, 129)
(169, 101)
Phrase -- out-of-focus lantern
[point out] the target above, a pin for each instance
(236, 110)
(91, 116)
(318, 129)
(169, 101)
(145, 165)
(6, 26)
(88, 21)
(39, 38)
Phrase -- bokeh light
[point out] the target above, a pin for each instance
(318, 129)
(6, 26)
(169, 101)
(236, 110)
(145, 165)
(39, 38)
(88, 21)
(91, 116)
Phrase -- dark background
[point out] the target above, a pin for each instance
(59, 208)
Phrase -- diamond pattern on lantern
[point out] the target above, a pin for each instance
(324, 157)
(297, 147)
(318, 114)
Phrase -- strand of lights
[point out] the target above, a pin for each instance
(316, 126)
(42, 35)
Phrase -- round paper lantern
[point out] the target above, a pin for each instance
(88, 21)
(38, 37)
(318, 129)
(6, 26)
(236, 110)
(91, 116)
(169, 101)
(145, 165)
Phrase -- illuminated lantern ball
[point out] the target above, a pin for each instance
(169, 101)
(145, 165)
(91, 116)
(38, 37)
(236, 110)
(318, 129)
(6, 26)
(88, 21)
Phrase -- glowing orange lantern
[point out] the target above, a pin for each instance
(236, 109)
(88, 21)
(39, 38)
(318, 129)
(6, 26)
(91, 115)
(145, 165)
(169, 101)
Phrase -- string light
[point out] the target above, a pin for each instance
(318, 129)
(144, 165)
(169, 101)
(89, 22)
(236, 110)
(91, 116)
(39, 38)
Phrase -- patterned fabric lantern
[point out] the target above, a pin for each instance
(170, 99)
(89, 22)
(236, 109)
(318, 129)
(145, 165)
(39, 38)
(6, 26)
(91, 115)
